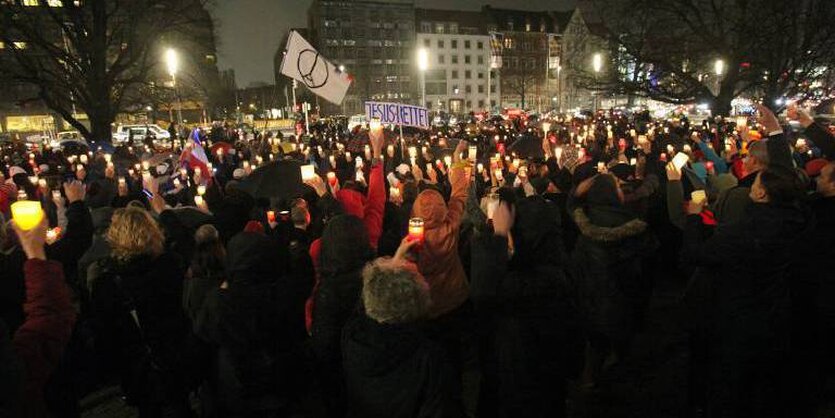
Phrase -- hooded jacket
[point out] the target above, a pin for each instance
(528, 316)
(439, 261)
(252, 327)
(607, 266)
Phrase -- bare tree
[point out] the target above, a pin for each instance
(669, 50)
(521, 80)
(96, 56)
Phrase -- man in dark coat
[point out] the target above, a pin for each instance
(391, 368)
(530, 326)
(249, 321)
(749, 262)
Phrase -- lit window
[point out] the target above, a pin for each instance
(31, 2)
(2, 45)
(19, 45)
(55, 3)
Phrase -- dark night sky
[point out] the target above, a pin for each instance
(249, 30)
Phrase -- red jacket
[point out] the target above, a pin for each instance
(368, 208)
(40, 341)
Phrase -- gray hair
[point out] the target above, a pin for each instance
(394, 292)
(206, 234)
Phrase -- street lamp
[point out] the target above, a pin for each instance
(719, 67)
(172, 61)
(597, 65)
(423, 65)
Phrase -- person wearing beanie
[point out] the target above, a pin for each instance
(391, 367)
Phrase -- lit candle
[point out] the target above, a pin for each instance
(472, 153)
(394, 192)
(259, 159)
(412, 152)
(741, 121)
(83, 158)
(480, 168)
(198, 200)
(246, 165)
(331, 178)
(176, 182)
(145, 165)
(33, 180)
(332, 160)
(375, 124)
(416, 229)
(201, 190)
(448, 160)
(271, 216)
(498, 174)
(27, 214)
(633, 161)
(308, 172)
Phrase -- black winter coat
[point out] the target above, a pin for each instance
(153, 287)
(251, 325)
(749, 264)
(394, 371)
(607, 267)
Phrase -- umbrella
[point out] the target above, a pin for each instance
(190, 217)
(281, 179)
(528, 146)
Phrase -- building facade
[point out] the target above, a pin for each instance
(530, 55)
(375, 43)
(458, 78)
(580, 43)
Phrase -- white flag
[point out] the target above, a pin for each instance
(303, 63)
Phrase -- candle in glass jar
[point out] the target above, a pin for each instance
(27, 214)
(416, 229)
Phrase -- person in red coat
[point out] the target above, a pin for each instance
(39, 343)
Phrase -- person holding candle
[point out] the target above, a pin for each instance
(30, 356)
(532, 339)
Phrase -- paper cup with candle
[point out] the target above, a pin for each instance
(308, 172)
(698, 196)
(198, 200)
(201, 190)
(27, 214)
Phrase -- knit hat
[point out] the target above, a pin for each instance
(813, 168)
(254, 226)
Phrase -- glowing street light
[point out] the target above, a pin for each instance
(172, 60)
(597, 62)
(719, 67)
(423, 65)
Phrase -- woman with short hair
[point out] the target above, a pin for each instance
(141, 329)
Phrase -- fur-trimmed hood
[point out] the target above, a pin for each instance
(607, 234)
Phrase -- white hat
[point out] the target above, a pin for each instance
(238, 174)
(403, 169)
(15, 170)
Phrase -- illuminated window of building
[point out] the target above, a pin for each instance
(19, 45)
(31, 2)
(55, 3)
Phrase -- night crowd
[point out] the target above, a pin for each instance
(226, 277)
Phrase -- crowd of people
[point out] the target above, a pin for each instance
(526, 249)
